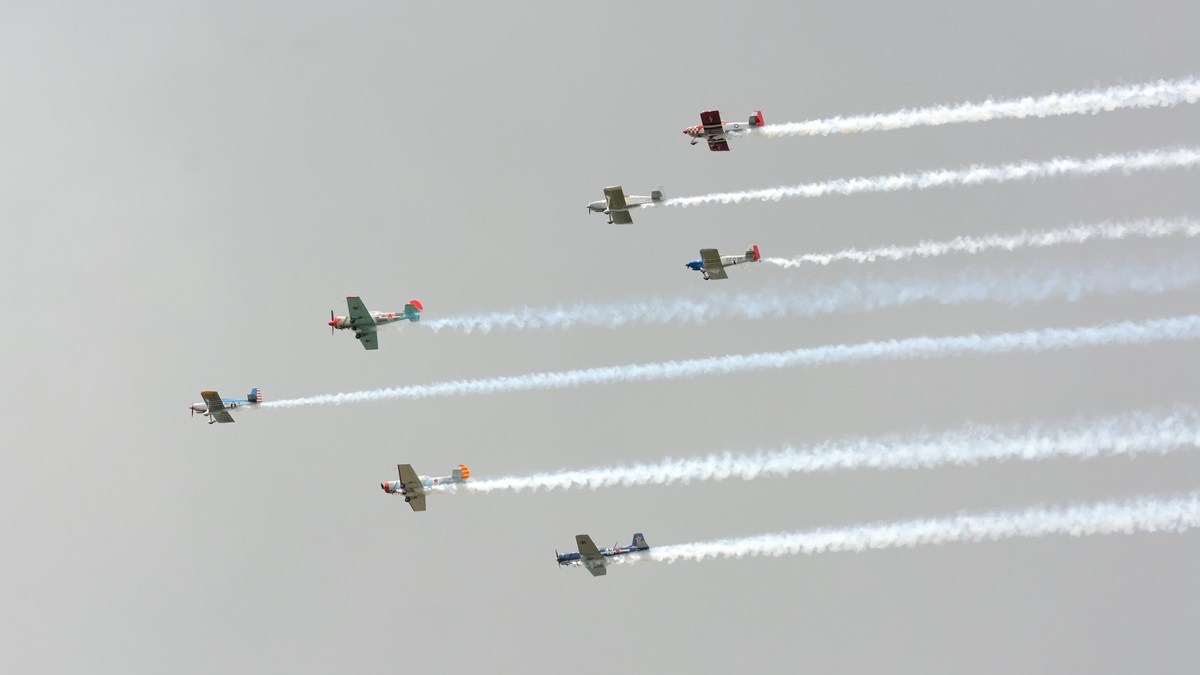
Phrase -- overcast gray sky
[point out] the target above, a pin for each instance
(188, 189)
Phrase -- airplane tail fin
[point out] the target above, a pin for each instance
(753, 254)
(639, 542)
(461, 473)
(756, 120)
(657, 194)
(255, 395)
(412, 311)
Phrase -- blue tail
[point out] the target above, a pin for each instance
(412, 311)
(639, 542)
(255, 396)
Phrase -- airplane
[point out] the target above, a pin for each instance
(593, 559)
(716, 133)
(216, 409)
(712, 264)
(364, 323)
(413, 487)
(616, 204)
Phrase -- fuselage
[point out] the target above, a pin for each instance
(577, 559)
(727, 129)
(397, 487)
(229, 403)
(726, 260)
(631, 202)
(380, 319)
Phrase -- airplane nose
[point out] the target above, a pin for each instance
(385, 487)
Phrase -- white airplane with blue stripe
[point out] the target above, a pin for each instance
(216, 409)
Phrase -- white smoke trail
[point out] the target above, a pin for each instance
(974, 175)
(1160, 94)
(1145, 514)
(1011, 287)
(1030, 341)
(1147, 228)
(1129, 434)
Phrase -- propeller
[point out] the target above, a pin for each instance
(331, 320)
(193, 411)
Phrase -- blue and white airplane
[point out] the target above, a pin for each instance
(712, 264)
(594, 559)
(216, 409)
(414, 487)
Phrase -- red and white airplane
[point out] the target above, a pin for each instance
(364, 322)
(716, 132)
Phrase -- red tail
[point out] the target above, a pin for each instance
(757, 119)
(757, 255)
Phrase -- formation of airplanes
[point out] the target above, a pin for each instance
(712, 264)
(365, 324)
(595, 560)
(414, 487)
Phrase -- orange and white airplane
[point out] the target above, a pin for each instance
(414, 487)
(716, 132)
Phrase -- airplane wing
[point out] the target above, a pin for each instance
(718, 144)
(358, 312)
(713, 266)
(359, 316)
(711, 121)
(615, 198)
(617, 207)
(590, 555)
(216, 408)
(412, 487)
(412, 483)
(714, 131)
